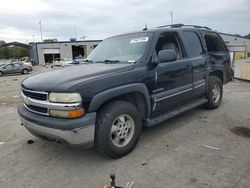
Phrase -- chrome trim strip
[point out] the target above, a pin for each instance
(39, 92)
(166, 97)
(199, 85)
(50, 105)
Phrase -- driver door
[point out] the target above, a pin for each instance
(174, 79)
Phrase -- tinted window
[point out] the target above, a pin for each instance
(214, 43)
(194, 44)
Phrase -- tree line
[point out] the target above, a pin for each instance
(15, 52)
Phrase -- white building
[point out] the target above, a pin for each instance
(237, 44)
(45, 52)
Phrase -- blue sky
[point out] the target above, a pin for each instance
(103, 18)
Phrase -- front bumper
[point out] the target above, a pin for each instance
(79, 131)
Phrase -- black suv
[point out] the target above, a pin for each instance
(129, 80)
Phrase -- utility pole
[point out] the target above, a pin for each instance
(172, 17)
(41, 31)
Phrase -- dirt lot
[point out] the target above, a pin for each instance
(176, 153)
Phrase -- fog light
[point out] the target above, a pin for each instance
(67, 114)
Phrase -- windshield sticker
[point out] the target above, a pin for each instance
(141, 39)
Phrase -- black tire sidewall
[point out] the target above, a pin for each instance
(25, 71)
(1, 74)
(107, 117)
(213, 80)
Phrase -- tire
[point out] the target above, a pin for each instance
(25, 71)
(1, 73)
(118, 129)
(214, 93)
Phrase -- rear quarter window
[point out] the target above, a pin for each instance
(214, 43)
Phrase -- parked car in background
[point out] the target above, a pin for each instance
(13, 68)
(78, 61)
(2, 64)
(64, 62)
(27, 63)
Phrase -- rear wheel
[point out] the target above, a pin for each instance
(25, 71)
(214, 93)
(118, 129)
(1, 73)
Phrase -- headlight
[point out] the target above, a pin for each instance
(65, 97)
(67, 114)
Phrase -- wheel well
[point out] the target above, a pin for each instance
(136, 98)
(218, 73)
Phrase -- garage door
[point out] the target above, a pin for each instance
(51, 51)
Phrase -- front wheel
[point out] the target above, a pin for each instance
(118, 129)
(214, 92)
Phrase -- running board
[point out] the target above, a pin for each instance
(174, 112)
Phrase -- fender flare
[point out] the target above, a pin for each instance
(106, 95)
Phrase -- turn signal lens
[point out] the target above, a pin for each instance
(67, 114)
(76, 113)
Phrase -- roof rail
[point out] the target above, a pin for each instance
(172, 25)
(182, 25)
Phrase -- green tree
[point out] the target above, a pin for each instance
(247, 36)
(12, 51)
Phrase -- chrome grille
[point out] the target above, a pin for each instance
(37, 102)
(35, 95)
(29, 96)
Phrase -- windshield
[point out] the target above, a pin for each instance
(126, 48)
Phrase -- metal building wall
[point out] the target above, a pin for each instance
(65, 48)
(237, 44)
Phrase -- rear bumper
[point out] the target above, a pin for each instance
(78, 131)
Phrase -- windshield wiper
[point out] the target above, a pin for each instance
(108, 61)
(111, 61)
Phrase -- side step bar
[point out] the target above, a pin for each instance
(174, 112)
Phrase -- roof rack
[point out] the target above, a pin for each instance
(182, 25)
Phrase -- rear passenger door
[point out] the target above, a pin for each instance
(198, 58)
(18, 68)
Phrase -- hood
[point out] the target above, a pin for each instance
(63, 79)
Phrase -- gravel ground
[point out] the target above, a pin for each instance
(200, 148)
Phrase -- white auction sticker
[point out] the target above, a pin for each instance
(141, 39)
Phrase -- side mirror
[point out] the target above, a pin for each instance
(167, 55)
